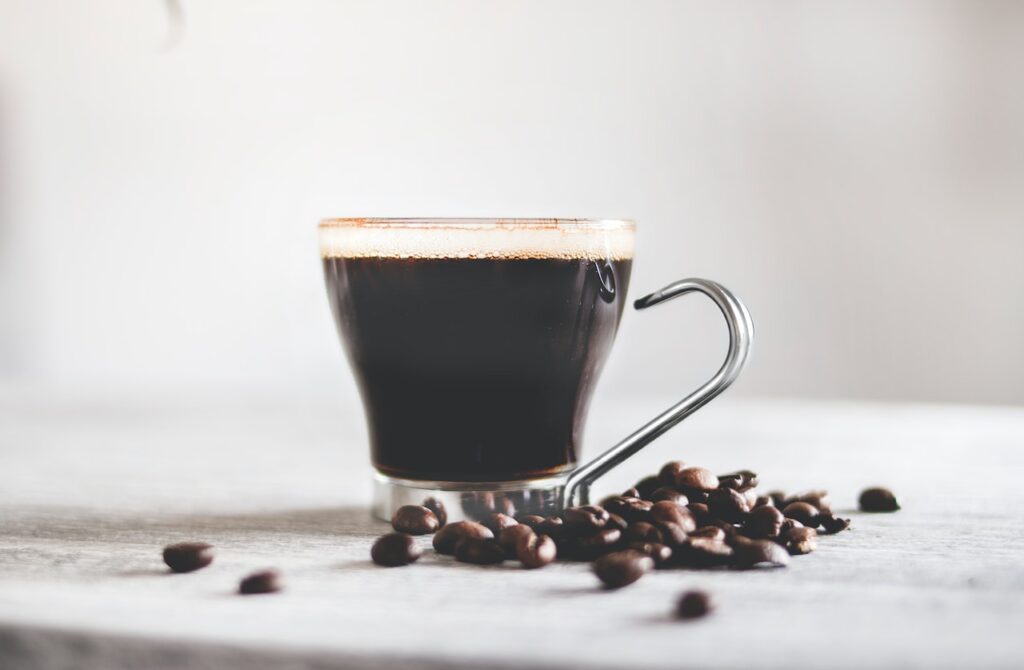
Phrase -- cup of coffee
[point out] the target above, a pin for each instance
(476, 345)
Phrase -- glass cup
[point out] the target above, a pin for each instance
(476, 345)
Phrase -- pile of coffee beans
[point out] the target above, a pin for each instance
(682, 517)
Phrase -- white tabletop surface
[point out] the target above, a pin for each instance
(92, 485)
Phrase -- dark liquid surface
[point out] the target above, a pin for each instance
(476, 369)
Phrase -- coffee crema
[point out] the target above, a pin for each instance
(476, 346)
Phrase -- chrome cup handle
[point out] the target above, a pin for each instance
(741, 335)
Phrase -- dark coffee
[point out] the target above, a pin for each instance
(476, 369)
(476, 347)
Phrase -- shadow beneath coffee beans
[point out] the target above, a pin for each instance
(145, 572)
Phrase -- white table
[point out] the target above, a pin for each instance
(93, 485)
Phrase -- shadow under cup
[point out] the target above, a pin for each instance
(476, 344)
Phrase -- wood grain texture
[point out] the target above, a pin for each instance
(91, 488)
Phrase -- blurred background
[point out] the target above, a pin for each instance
(853, 170)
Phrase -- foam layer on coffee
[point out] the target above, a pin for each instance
(557, 239)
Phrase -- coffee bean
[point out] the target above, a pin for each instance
(438, 508)
(763, 501)
(647, 486)
(818, 499)
(631, 492)
(616, 521)
(696, 479)
(446, 538)
(668, 512)
(669, 494)
(536, 551)
(778, 498)
(741, 480)
(188, 556)
(265, 581)
(702, 552)
(641, 531)
(586, 518)
(710, 533)
(497, 522)
(759, 554)
(621, 568)
(395, 549)
(764, 522)
(553, 526)
(832, 524)
(660, 553)
(631, 509)
(531, 520)
(878, 499)
(728, 505)
(672, 534)
(669, 471)
(787, 525)
(801, 541)
(750, 495)
(481, 551)
(693, 605)
(805, 513)
(701, 513)
(589, 547)
(414, 520)
(509, 537)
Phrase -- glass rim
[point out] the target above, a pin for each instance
(478, 222)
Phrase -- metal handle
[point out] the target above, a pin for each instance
(741, 334)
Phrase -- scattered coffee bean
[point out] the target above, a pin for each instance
(621, 568)
(509, 537)
(669, 471)
(586, 518)
(188, 556)
(536, 551)
(702, 552)
(531, 520)
(660, 553)
(739, 481)
(414, 520)
(696, 479)
(709, 532)
(787, 525)
(497, 522)
(759, 554)
(831, 524)
(728, 505)
(395, 549)
(438, 508)
(805, 513)
(641, 531)
(818, 499)
(265, 581)
(631, 492)
(446, 538)
(481, 551)
(669, 494)
(801, 541)
(668, 512)
(764, 522)
(878, 499)
(647, 486)
(693, 605)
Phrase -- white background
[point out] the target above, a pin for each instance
(853, 170)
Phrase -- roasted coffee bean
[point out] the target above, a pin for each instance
(750, 495)
(878, 499)
(738, 481)
(710, 533)
(531, 520)
(621, 568)
(479, 551)
(672, 534)
(801, 541)
(702, 552)
(764, 522)
(728, 505)
(693, 605)
(446, 538)
(701, 513)
(763, 501)
(536, 551)
(641, 531)
(805, 513)
(497, 522)
(586, 518)
(662, 554)
(759, 554)
(818, 499)
(415, 520)
(589, 547)
(631, 492)
(188, 556)
(646, 486)
(505, 505)
(630, 509)
(616, 521)
(438, 508)
(669, 494)
(778, 498)
(787, 525)
(395, 549)
(553, 526)
(508, 538)
(264, 581)
(669, 512)
(696, 479)
(831, 524)
(669, 471)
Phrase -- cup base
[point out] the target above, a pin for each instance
(472, 501)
